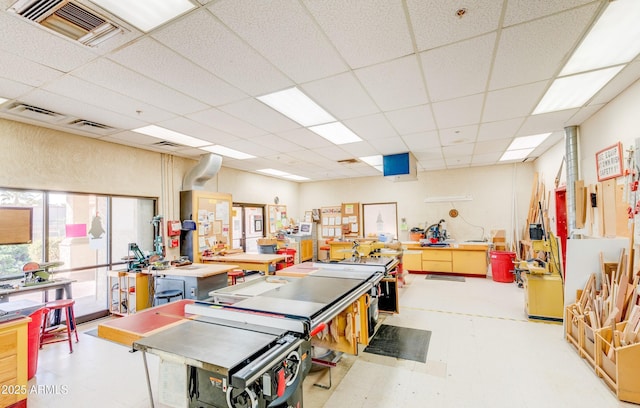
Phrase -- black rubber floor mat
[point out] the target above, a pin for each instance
(400, 342)
(447, 278)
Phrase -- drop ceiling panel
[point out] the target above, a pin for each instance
(583, 114)
(395, 84)
(202, 38)
(454, 162)
(390, 145)
(260, 115)
(547, 122)
(334, 153)
(412, 120)
(226, 123)
(459, 135)
(11, 89)
(40, 45)
(458, 112)
(305, 137)
(534, 51)
(360, 149)
(422, 140)
(485, 158)
(371, 127)
(82, 91)
(341, 95)
(497, 146)
(619, 83)
(519, 11)
(25, 71)
(150, 58)
(198, 130)
(279, 143)
(365, 33)
(137, 86)
(458, 150)
(249, 147)
(459, 69)
(435, 22)
(284, 33)
(515, 102)
(499, 130)
(435, 164)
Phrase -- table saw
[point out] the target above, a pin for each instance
(256, 352)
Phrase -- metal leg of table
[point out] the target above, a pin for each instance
(146, 372)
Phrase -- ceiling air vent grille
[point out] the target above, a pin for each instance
(92, 127)
(67, 18)
(34, 112)
(165, 143)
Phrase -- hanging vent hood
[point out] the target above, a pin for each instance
(67, 18)
(203, 171)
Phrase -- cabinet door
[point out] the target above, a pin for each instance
(436, 266)
(471, 262)
(306, 250)
(436, 255)
(412, 260)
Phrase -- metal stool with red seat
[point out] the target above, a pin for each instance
(57, 334)
(235, 275)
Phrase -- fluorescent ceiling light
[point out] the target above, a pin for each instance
(575, 90)
(225, 151)
(373, 161)
(526, 142)
(336, 133)
(613, 39)
(297, 106)
(515, 154)
(273, 172)
(171, 136)
(146, 14)
(2, 100)
(294, 177)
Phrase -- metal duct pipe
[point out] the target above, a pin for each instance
(207, 167)
(571, 154)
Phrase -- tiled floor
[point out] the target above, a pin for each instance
(482, 353)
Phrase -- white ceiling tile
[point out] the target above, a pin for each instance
(305, 137)
(515, 102)
(458, 112)
(412, 120)
(455, 160)
(519, 11)
(227, 123)
(395, 84)
(500, 130)
(249, 147)
(424, 156)
(422, 140)
(198, 130)
(26, 71)
(365, 33)
(41, 45)
(459, 135)
(433, 164)
(583, 114)
(137, 86)
(200, 37)
(341, 95)
(83, 91)
(11, 89)
(371, 127)
(485, 158)
(492, 146)
(458, 150)
(619, 83)
(283, 32)
(546, 122)
(279, 143)
(533, 51)
(460, 69)
(435, 22)
(260, 115)
(391, 145)
(360, 149)
(164, 65)
(334, 153)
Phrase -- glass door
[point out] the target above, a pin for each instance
(248, 226)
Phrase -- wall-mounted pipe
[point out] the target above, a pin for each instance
(571, 154)
(197, 177)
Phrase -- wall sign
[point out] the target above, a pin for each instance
(609, 162)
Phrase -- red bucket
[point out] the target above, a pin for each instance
(502, 269)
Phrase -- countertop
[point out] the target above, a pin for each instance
(195, 270)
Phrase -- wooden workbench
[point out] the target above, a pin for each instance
(462, 259)
(249, 262)
(199, 279)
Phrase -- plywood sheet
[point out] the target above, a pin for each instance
(622, 218)
(581, 200)
(15, 225)
(608, 193)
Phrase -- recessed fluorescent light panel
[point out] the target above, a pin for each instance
(146, 14)
(515, 154)
(273, 172)
(297, 106)
(225, 151)
(171, 136)
(575, 90)
(528, 142)
(373, 161)
(613, 39)
(296, 178)
(336, 133)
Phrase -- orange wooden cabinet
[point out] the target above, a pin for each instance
(13, 362)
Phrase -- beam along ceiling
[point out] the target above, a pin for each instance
(452, 81)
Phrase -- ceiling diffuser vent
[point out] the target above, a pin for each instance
(67, 18)
(93, 127)
(34, 112)
(165, 143)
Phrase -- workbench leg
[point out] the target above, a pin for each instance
(325, 387)
(146, 371)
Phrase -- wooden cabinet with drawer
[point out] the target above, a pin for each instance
(436, 260)
(13, 362)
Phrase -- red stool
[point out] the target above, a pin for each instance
(235, 275)
(54, 334)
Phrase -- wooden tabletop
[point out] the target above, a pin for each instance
(196, 270)
(245, 257)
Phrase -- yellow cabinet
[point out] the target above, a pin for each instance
(412, 260)
(469, 262)
(306, 250)
(128, 292)
(13, 361)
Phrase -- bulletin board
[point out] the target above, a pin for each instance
(380, 218)
(277, 218)
(211, 213)
(16, 225)
(331, 222)
(351, 220)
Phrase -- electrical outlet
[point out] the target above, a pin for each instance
(193, 292)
